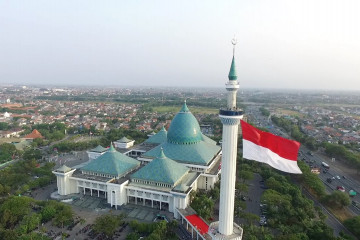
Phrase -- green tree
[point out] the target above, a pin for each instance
(48, 213)
(133, 236)
(246, 175)
(353, 224)
(107, 224)
(4, 126)
(29, 223)
(337, 199)
(13, 210)
(203, 206)
(64, 215)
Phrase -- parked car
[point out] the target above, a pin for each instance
(262, 222)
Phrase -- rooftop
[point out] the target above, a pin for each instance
(112, 162)
(159, 137)
(162, 170)
(99, 149)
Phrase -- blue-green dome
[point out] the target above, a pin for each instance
(184, 128)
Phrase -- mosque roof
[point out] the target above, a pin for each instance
(184, 128)
(232, 73)
(200, 153)
(162, 169)
(99, 149)
(112, 162)
(159, 137)
(185, 142)
(209, 140)
(124, 140)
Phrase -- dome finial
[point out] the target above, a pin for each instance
(184, 107)
(111, 149)
(162, 154)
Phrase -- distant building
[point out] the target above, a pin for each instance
(33, 135)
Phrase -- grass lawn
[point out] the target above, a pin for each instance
(176, 109)
(290, 112)
(341, 214)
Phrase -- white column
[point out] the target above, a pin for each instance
(111, 199)
(231, 101)
(228, 173)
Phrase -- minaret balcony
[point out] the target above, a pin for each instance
(232, 85)
(231, 112)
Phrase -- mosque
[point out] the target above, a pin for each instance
(159, 173)
(167, 167)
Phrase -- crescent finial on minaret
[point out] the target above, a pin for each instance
(234, 41)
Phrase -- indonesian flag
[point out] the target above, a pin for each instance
(278, 152)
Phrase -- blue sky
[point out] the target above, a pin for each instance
(301, 44)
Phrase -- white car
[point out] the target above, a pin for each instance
(338, 177)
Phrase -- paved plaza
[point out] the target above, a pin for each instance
(132, 211)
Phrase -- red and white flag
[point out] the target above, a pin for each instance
(278, 152)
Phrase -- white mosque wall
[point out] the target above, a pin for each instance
(207, 181)
(64, 183)
(116, 194)
(94, 155)
(124, 145)
(72, 187)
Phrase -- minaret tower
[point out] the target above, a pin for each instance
(230, 118)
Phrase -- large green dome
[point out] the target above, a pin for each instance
(184, 128)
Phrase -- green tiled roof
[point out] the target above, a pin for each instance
(185, 142)
(232, 73)
(184, 128)
(99, 149)
(159, 137)
(208, 140)
(199, 153)
(112, 162)
(124, 140)
(162, 170)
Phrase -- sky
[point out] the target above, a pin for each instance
(282, 44)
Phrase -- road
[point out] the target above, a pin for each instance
(315, 160)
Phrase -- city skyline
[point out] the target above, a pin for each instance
(281, 45)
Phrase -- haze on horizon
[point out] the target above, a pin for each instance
(297, 44)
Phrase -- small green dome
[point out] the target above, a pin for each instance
(184, 128)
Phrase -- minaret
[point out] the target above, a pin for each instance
(230, 118)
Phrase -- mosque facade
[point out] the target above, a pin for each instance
(159, 173)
